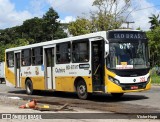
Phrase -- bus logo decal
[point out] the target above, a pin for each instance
(134, 80)
(36, 70)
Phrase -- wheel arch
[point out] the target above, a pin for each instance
(29, 86)
(27, 79)
(77, 80)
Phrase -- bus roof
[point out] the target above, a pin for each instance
(126, 30)
(52, 42)
(91, 35)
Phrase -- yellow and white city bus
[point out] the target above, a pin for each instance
(113, 62)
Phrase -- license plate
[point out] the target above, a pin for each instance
(134, 87)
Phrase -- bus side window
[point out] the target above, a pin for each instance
(10, 59)
(37, 56)
(80, 52)
(26, 57)
(63, 53)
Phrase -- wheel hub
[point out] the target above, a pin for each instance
(82, 89)
(28, 88)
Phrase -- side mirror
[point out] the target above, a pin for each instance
(106, 50)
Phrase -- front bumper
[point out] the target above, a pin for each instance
(124, 88)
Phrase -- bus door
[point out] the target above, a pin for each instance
(17, 69)
(97, 54)
(49, 68)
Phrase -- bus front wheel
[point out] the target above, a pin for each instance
(82, 90)
(29, 87)
(117, 95)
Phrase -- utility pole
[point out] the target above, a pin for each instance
(127, 22)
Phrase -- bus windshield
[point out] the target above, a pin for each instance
(128, 55)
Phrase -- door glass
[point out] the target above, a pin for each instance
(18, 60)
(49, 57)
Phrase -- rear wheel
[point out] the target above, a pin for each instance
(82, 90)
(29, 87)
(117, 95)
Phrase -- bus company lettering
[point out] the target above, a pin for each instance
(27, 72)
(36, 70)
(128, 36)
(68, 67)
(60, 70)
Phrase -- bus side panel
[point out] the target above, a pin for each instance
(36, 74)
(65, 83)
(58, 83)
(23, 79)
(10, 76)
(38, 82)
(66, 74)
(88, 81)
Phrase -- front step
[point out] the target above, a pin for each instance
(97, 88)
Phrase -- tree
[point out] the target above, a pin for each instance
(43, 29)
(60, 33)
(110, 14)
(154, 21)
(80, 26)
(139, 28)
(51, 23)
(4, 46)
(154, 40)
(32, 31)
(154, 45)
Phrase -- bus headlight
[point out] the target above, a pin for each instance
(114, 80)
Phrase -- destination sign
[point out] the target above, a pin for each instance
(126, 35)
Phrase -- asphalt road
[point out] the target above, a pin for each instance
(138, 102)
(149, 98)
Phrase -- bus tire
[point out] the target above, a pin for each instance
(29, 87)
(81, 89)
(117, 95)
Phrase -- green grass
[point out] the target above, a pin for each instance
(155, 79)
